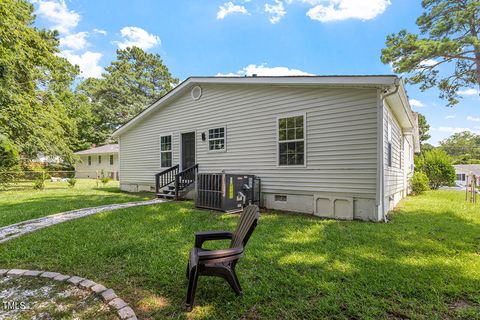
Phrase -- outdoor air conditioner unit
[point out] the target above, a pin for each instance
(226, 192)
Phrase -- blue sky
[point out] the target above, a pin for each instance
(267, 37)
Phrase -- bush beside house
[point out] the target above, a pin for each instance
(437, 165)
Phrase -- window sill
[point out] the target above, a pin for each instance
(217, 151)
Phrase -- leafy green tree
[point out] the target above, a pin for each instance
(437, 165)
(131, 83)
(427, 146)
(463, 146)
(423, 128)
(33, 81)
(449, 35)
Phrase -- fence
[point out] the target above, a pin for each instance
(26, 179)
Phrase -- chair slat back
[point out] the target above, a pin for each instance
(246, 224)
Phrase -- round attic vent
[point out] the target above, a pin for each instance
(196, 93)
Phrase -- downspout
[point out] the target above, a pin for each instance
(381, 146)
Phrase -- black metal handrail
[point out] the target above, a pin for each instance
(166, 177)
(185, 178)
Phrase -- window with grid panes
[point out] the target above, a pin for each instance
(166, 151)
(291, 141)
(216, 139)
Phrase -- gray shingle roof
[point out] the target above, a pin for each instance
(467, 168)
(108, 148)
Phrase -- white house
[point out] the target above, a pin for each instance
(333, 146)
(97, 161)
(463, 170)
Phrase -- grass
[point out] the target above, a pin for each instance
(23, 203)
(424, 264)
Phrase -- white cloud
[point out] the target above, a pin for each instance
(469, 92)
(230, 8)
(56, 11)
(100, 31)
(416, 103)
(75, 41)
(88, 62)
(450, 116)
(263, 70)
(452, 130)
(276, 11)
(474, 119)
(336, 10)
(428, 63)
(135, 36)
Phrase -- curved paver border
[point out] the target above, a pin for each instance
(107, 295)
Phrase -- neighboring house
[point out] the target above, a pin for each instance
(97, 161)
(463, 170)
(333, 146)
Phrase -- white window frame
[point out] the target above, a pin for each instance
(160, 148)
(224, 127)
(99, 159)
(89, 160)
(111, 159)
(277, 128)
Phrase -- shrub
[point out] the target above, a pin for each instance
(72, 182)
(39, 184)
(437, 165)
(419, 183)
(105, 180)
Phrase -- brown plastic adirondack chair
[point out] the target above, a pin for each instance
(220, 263)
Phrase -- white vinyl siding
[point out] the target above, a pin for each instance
(394, 173)
(341, 151)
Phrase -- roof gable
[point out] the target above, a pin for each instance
(373, 81)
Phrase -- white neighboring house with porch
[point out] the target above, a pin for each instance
(95, 161)
(463, 170)
(333, 146)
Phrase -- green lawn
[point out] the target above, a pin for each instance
(424, 264)
(23, 203)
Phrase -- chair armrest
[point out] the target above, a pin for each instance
(201, 237)
(221, 255)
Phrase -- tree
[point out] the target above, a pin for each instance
(449, 35)
(33, 82)
(427, 146)
(463, 146)
(423, 128)
(131, 83)
(437, 165)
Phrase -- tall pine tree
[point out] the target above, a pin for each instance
(449, 36)
(130, 84)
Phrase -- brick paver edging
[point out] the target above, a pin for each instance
(107, 295)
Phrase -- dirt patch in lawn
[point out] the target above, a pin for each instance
(463, 309)
(39, 298)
